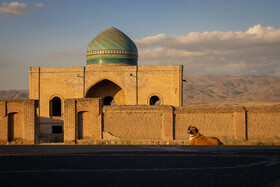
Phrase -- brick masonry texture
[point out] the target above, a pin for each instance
(127, 84)
(18, 121)
(153, 125)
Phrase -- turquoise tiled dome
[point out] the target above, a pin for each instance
(112, 46)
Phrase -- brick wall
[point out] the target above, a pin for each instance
(91, 124)
(263, 123)
(168, 125)
(18, 121)
(225, 123)
(140, 124)
(30, 125)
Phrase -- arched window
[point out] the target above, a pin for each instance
(109, 101)
(154, 100)
(55, 107)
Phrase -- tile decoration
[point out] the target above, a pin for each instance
(112, 46)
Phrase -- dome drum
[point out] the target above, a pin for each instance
(112, 52)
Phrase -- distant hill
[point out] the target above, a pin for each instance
(14, 94)
(213, 90)
(229, 90)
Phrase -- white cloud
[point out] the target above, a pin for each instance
(39, 4)
(167, 53)
(13, 8)
(255, 51)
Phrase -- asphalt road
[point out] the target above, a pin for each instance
(80, 165)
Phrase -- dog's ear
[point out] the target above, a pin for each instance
(196, 130)
(189, 128)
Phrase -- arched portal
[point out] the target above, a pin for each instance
(55, 106)
(108, 91)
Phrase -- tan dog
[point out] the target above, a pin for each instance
(198, 139)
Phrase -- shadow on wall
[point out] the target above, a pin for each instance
(15, 127)
(51, 130)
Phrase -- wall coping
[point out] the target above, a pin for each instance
(82, 99)
(266, 109)
(137, 108)
(180, 110)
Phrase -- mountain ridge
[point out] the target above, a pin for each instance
(213, 90)
(225, 89)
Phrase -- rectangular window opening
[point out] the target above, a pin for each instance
(57, 129)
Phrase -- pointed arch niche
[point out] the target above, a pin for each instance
(108, 91)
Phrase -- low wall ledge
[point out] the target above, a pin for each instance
(139, 108)
(268, 109)
(83, 99)
(179, 110)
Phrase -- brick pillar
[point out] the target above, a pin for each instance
(240, 123)
(29, 124)
(97, 118)
(69, 121)
(3, 122)
(167, 131)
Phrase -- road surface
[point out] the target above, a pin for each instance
(143, 165)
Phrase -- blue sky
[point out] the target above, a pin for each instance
(239, 37)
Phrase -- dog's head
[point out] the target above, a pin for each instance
(192, 130)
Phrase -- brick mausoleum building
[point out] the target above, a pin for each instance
(109, 101)
(111, 74)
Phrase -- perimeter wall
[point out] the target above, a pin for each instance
(168, 125)
(85, 121)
